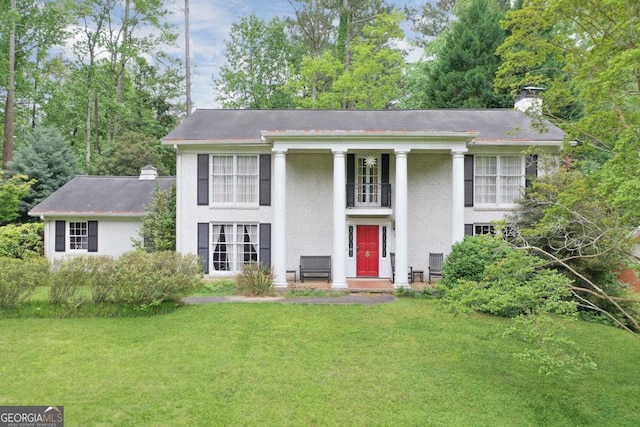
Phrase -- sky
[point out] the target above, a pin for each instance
(210, 22)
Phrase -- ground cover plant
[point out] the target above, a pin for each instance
(404, 363)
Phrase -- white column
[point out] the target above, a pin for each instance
(339, 256)
(279, 231)
(401, 217)
(457, 196)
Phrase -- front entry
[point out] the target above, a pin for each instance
(367, 256)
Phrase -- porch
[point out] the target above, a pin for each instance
(355, 285)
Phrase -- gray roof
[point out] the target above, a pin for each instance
(229, 125)
(101, 195)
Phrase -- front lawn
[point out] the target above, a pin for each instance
(404, 363)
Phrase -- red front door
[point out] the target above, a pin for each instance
(367, 250)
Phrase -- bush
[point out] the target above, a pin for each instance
(101, 271)
(255, 279)
(22, 241)
(143, 279)
(19, 279)
(469, 258)
(67, 276)
(515, 285)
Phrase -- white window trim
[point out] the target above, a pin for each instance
(234, 203)
(232, 245)
(86, 236)
(488, 206)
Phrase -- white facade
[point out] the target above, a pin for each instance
(115, 236)
(435, 215)
(356, 186)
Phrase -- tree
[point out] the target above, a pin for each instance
(12, 191)
(583, 236)
(434, 18)
(373, 79)
(158, 231)
(130, 152)
(119, 29)
(46, 157)
(28, 29)
(462, 74)
(374, 76)
(259, 61)
(508, 282)
(582, 53)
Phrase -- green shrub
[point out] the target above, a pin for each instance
(142, 279)
(469, 258)
(20, 278)
(255, 279)
(515, 285)
(68, 275)
(22, 241)
(101, 272)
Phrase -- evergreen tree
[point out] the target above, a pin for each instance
(463, 72)
(158, 232)
(46, 157)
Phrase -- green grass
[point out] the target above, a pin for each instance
(405, 363)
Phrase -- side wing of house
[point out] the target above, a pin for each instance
(89, 235)
(97, 215)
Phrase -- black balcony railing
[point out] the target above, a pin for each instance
(369, 195)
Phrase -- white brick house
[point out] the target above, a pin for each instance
(272, 185)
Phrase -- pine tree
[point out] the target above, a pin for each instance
(46, 157)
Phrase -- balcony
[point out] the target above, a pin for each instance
(367, 196)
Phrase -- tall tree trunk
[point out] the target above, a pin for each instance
(121, 68)
(187, 55)
(7, 152)
(88, 128)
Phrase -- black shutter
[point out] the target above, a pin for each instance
(61, 228)
(531, 169)
(203, 245)
(92, 229)
(265, 245)
(351, 180)
(386, 187)
(265, 180)
(203, 179)
(468, 181)
(468, 229)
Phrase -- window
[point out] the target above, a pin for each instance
(234, 245)
(78, 236)
(235, 180)
(499, 180)
(483, 229)
(368, 189)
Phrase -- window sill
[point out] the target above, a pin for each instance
(235, 207)
(496, 208)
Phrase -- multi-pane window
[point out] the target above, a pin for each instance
(499, 180)
(234, 245)
(368, 188)
(78, 235)
(235, 179)
(483, 229)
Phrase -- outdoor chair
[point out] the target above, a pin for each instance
(393, 269)
(435, 265)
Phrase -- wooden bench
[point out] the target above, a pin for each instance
(315, 266)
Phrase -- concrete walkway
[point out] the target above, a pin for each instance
(359, 298)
